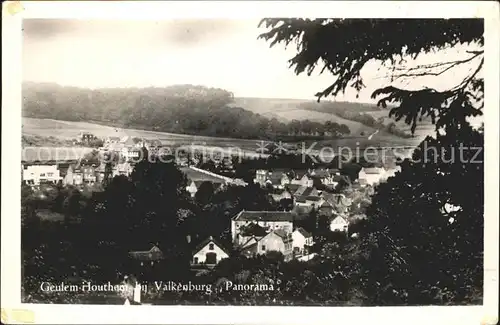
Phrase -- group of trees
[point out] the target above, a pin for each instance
(431, 215)
(307, 127)
(184, 109)
(358, 113)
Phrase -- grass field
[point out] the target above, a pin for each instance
(424, 127)
(301, 114)
(71, 130)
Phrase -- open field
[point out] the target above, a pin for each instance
(286, 110)
(424, 127)
(301, 114)
(266, 106)
(71, 130)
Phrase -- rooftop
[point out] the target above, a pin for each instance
(265, 216)
(303, 232)
(204, 243)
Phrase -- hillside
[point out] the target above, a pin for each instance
(361, 118)
(180, 109)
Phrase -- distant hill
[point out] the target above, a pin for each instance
(181, 109)
(361, 118)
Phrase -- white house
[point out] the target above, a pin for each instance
(275, 241)
(131, 153)
(272, 220)
(209, 252)
(41, 174)
(339, 223)
(301, 240)
(277, 179)
(372, 175)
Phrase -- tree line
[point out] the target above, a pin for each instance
(185, 109)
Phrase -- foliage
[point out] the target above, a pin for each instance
(408, 230)
(184, 109)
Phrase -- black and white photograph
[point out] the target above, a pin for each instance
(261, 161)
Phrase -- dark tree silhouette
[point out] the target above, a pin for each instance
(205, 193)
(409, 230)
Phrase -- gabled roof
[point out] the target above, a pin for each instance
(206, 242)
(339, 219)
(303, 232)
(286, 237)
(300, 191)
(253, 229)
(292, 187)
(152, 255)
(264, 216)
(301, 199)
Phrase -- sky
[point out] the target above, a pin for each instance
(214, 53)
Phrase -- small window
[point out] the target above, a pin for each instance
(211, 246)
(263, 247)
(50, 174)
(42, 175)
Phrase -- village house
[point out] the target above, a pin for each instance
(209, 252)
(100, 172)
(89, 174)
(304, 191)
(339, 202)
(149, 257)
(302, 212)
(307, 196)
(339, 223)
(74, 175)
(273, 220)
(35, 175)
(277, 179)
(124, 169)
(249, 232)
(327, 177)
(302, 178)
(275, 241)
(302, 241)
(279, 195)
(372, 175)
(86, 137)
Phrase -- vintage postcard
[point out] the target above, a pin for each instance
(250, 162)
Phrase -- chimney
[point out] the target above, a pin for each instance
(137, 293)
